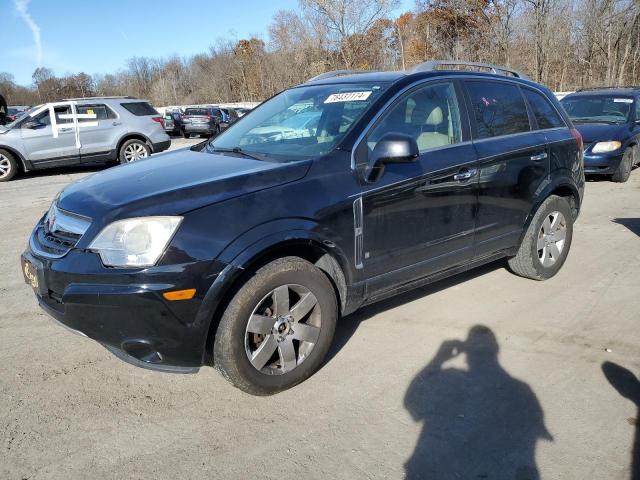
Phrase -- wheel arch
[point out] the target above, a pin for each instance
(250, 260)
(23, 164)
(562, 187)
(132, 136)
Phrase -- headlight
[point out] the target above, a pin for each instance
(602, 147)
(135, 242)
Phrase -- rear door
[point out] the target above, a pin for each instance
(98, 131)
(418, 218)
(513, 161)
(51, 142)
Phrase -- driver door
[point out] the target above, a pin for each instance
(44, 146)
(418, 218)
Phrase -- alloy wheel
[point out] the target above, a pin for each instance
(135, 151)
(5, 166)
(551, 238)
(283, 329)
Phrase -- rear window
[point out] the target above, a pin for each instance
(498, 109)
(139, 109)
(545, 114)
(196, 111)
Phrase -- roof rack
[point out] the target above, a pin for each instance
(102, 97)
(432, 65)
(335, 73)
(619, 87)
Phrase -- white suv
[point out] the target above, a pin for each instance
(82, 130)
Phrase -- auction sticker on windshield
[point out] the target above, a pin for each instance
(347, 97)
(622, 100)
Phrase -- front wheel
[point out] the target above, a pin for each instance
(278, 328)
(621, 175)
(8, 166)
(546, 244)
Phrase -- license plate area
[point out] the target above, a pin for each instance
(33, 273)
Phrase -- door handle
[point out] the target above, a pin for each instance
(465, 174)
(65, 129)
(115, 124)
(540, 156)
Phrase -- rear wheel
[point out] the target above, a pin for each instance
(8, 166)
(621, 175)
(133, 150)
(277, 329)
(546, 244)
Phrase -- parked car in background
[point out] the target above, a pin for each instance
(173, 122)
(205, 121)
(229, 115)
(241, 111)
(609, 121)
(243, 255)
(16, 111)
(81, 130)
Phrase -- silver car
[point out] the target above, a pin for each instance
(79, 131)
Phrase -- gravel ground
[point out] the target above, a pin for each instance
(527, 392)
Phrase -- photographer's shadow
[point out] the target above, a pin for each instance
(479, 422)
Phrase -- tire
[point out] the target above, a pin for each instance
(185, 134)
(133, 150)
(8, 166)
(237, 338)
(621, 175)
(541, 253)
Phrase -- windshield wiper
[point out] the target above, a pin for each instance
(592, 120)
(235, 150)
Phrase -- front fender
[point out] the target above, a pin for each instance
(263, 237)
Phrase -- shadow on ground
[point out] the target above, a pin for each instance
(478, 422)
(632, 224)
(348, 325)
(628, 386)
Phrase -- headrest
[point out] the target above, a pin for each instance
(435, 117)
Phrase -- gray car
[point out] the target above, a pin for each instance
(79, 131)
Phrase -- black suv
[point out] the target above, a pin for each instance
(609, 121)
(244, 251)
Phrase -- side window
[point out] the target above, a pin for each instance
(45, 119)
(497, 108)
(429, 114)
(101, 111)
(545, 114)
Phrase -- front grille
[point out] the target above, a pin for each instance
(58, 232)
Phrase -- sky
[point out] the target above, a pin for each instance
(98, 36)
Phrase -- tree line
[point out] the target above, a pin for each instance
(565, 44)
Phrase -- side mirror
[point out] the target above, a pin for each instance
(32, 124)
(392, 148)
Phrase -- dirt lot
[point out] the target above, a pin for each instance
(385, 402)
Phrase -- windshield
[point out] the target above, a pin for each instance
(597, 108)
(299, 123)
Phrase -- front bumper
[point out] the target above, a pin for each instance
(125, 311)
(602, 163)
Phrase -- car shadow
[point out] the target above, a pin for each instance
(627, 385)
(632, 224)
(55, 171)
(348, 325)
(479, 422)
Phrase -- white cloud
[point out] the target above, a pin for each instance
(22, 11)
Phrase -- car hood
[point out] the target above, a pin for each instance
(172, 184)
(602, 132)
